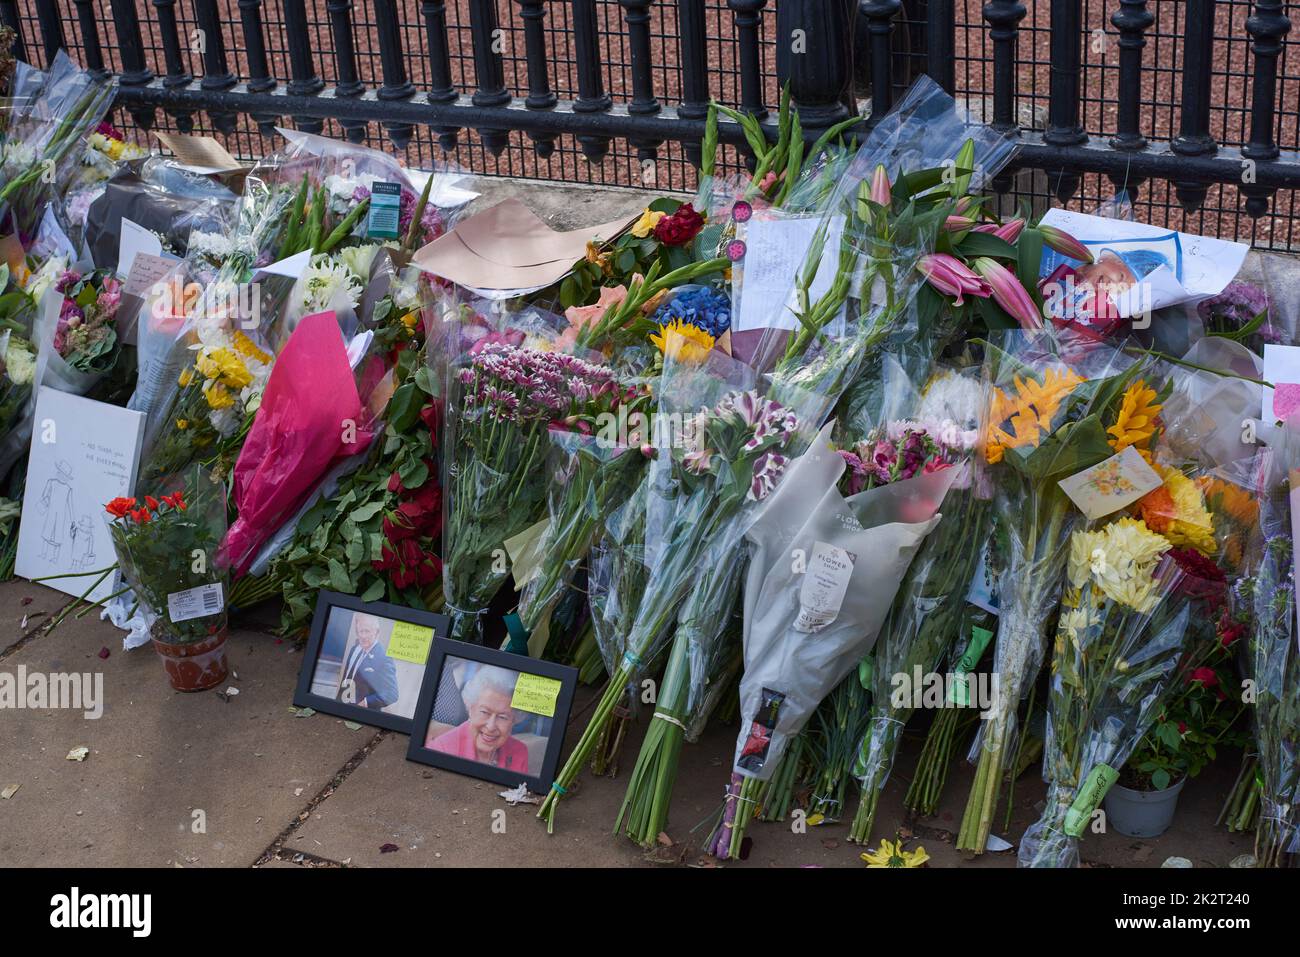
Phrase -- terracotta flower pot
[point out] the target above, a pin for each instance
(196, 665)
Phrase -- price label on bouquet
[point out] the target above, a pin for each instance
(195, 602)
(825, 583)
(1108, 486)
(385, 211)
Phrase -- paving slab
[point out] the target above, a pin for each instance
(159, 757)
(21, 600)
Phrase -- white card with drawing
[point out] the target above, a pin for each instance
(84, 454)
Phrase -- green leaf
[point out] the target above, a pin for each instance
(338, 576)
(985, 244)
(424, 380)
(1160, 779)
(404, 407)
(375, 591)
(1029, 257)
(365, 513)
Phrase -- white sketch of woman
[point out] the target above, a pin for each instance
(57, 507)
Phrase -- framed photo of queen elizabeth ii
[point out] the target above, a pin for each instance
(492, 715)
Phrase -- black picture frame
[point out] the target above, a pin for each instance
(326, 602)
(444, 648)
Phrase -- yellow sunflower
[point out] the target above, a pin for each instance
(1136, 422)
(891, 854)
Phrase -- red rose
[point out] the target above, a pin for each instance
(151, 502)
(429, 416)
(394, 483)
(1182, 727)
(397, 530)
(679, 228)
(119, 506)
(1206, 677)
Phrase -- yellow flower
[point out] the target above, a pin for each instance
(1135, 423)
(411, 318)
(224, 366)
(186, 377)
(691, 344)
(1029, 412)
(182, 423)
(1191, 524)
(891, 854)
(247, 348)
(218, 396)
(646, 224)
(115, 149)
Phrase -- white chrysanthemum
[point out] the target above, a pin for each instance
(326, 284)
(950, 395)
(406, 291)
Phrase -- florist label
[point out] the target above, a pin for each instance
(824, 585)
(1108, 486)
(536, 694)
(410, 642)
(195, 602)
(385, 210)
(1094, 788)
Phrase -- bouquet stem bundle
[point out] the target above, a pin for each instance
(1276, 667)
(921, 628)
(779, 799)
(700, 629)
(1117, 646)
(949, 729)
(695, 500)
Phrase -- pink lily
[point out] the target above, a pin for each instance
(951, 277)
(1010, 230)
(958, 224)
(1065, 244)
(1008, 292)
(880, 187)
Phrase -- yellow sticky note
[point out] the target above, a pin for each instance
(410, 642)
(536, 694)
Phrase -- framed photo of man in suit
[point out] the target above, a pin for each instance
(365, 661)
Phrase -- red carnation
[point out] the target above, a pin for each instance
(151, 502)
(1182, 727)
(679, 228)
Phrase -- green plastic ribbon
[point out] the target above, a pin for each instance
(1094, 788)
(518, 643)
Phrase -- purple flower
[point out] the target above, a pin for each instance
(768, 469)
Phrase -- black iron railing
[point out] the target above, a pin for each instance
(1170, 101)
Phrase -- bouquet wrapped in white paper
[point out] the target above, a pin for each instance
(822, 576)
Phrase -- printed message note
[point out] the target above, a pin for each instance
(536, 694)
(410, 642)
(1108, 486)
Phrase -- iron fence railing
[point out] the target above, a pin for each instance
(1188, 106)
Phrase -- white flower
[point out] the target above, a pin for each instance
(342, 188)
(326, 285)
(20, 364)
(215, 246)
(45, 277)
(951, 395)
(359, 259)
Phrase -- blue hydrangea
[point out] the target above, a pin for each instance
(700, 306)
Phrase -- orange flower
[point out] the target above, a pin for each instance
(1157, 509)
(119, 506)
(1031, 411)
(151, 502)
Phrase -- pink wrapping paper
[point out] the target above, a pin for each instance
(297, 435)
